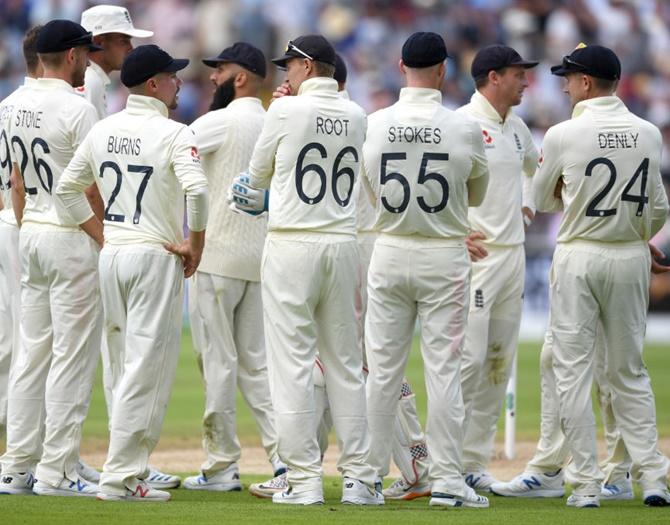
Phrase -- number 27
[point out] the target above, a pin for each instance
(132, 168)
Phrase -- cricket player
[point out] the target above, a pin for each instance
(10, 268)
(309, 155)
(420, 265)
(144, 164)
(496, 290)
(225, 295)
(112, 30)
(54, 365)
(605, 164)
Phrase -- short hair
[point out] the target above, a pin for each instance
(605, 84)
(30, 48)
(52, 60)
(323, 69)
(480, 82)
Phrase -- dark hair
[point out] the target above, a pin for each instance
(480, 82)
(604, 84)
(30, 48)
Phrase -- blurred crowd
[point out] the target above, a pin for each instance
(369, 35)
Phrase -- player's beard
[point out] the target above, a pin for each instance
(224, 94)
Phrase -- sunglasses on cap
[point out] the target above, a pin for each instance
(292, 47)
(568, 63)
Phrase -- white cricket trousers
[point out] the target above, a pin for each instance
(412, 277)
(491, 340)
(592, 282)
(53, 367)
(142, 290)
(227, 329)
(10, 295)
(309, 285)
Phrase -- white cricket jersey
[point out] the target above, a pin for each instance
(94, 89)
(226, 139)
(512, 160)
(418, 158)
(143, 164)
(6, 107)
(609, 160)
(309, 154)
(48, 123)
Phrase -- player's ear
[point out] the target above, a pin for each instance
(71, 55)
(401, 66)
(241, 79)
(493, 77)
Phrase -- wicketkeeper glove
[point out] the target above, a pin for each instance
(245, 198)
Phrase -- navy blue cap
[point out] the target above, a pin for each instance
(596, 61)
(61, 35)
(144, 62)
(340, 69)
(495, 57)
(246, 55)
(313, 47)
(424, 49)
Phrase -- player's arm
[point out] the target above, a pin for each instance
(547, 180)
(261, 165)
(530, 161)
(18, 194)
(478, 180)
(189, 172)
(209, 131)
(658, 196)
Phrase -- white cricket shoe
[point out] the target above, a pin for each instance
(17, 484)
(140, 491)
(480, 481)
(160, 480)
(355, 492)
(66, 487)
(619, 490)
(88, 473)
(532, 485)
(400, 489)
(583, 501)
(307, 497)
(469, 499)
(656, 498)
(226, 480)
(269, 488)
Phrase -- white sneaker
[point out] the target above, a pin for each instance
(355, 492)
(161, 480)
(656, 498)
(141, 491)
(583, 501)
(531, 485)
(88, 473)
(620, 490)
(17, 484)
(469, 499)
(67, 487)
(307, 497)
(226, 480)
(480, 481)
(400, 489)
(268, 488)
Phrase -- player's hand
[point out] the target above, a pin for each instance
(558, 188)
(657, 255)
(189, 256)
(283, 90)
(476, 249)
(528, 216)
(246, 198)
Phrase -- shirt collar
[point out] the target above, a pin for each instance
(420, 95)
(53, 83)
(100, 72)
(599, 104)
(143, 105)
(245, 101)
(318, 84)
(482, 106)
(29, 81)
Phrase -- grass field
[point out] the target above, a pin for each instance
(182, 429)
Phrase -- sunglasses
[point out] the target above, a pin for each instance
(292, 47)
(568, 63)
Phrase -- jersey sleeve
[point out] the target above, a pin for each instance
(81, 123)
(659, 197)
(549, 171)
(187, 168)
(478, 179)
(261, 165)
(74, 181)
(530, 161)
(210, 132)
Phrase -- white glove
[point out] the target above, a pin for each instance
(245, 198)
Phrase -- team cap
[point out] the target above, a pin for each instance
(102, 19)
(424, 50)
(61, 35)
(596, 61)
(495, 57)
(144, 62)
(243, 54)
(313, 47)
(340, 69)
